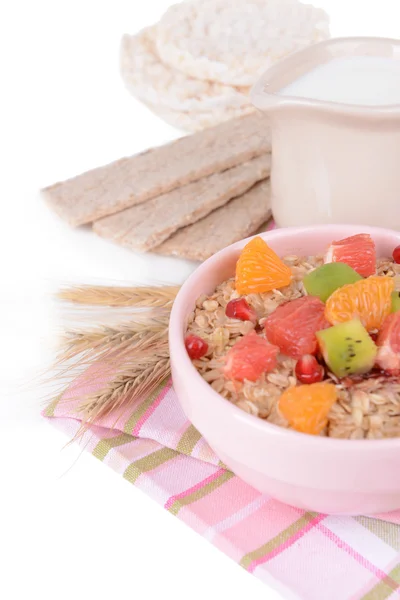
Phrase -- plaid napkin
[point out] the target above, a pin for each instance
(304, 555)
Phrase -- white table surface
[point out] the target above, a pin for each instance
(70, 527)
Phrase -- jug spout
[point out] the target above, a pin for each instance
(277, 89)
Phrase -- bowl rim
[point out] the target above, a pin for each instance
(180, 356)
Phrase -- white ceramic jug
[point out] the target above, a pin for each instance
(331, 162)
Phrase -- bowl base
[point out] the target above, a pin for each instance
(329, 502)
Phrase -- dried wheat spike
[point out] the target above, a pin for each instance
(138, 296)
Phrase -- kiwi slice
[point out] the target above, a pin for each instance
(324, 280)
(395, 301)
(347, 348)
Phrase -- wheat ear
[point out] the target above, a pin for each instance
(139, 296)
(132, 357)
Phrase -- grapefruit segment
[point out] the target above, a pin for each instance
(293, 325)
(250, 357)
(260, 270)
(369, 300)
(388, 342)
(306, 407)
(357, 251)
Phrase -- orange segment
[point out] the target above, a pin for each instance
(260, 270)
(368, 300)
(306, 407)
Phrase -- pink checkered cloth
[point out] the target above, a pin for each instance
(304, 555)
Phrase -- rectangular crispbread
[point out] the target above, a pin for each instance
(130, 181)
(147, 225)
(238, 219)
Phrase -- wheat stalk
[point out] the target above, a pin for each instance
(93, 342)
(132, 358)
(139, 296)
(126, 386)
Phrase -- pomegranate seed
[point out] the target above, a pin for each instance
(396, 255)
(308, 369)
(240, 309)
(195, 346)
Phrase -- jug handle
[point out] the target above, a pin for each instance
(259, 98)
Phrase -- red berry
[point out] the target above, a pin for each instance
(195, 346)
(308, 369)
(240, 309)
(396, 255)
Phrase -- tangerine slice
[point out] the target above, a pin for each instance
(260, 270)
(306, 407)
(368, 300)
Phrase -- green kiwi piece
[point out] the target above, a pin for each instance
(395, 301)
(347, 348)
(324, 280)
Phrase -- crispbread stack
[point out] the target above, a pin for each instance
(195, 67)
(189, 198)
(147, 225)
(130, 181)
(238, 219)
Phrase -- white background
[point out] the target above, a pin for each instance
(70, 527)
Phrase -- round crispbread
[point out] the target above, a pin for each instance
(148, 79)
(234, 41)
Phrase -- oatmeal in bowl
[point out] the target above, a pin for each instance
(310, 343)
(284, 356)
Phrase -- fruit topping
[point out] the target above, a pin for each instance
(306, 407)
(308, 370)
(396, 255)
(357, 251)
(196, 347)
(293, 325)
(260, 270)
(389, 345)
(395, 301)
(347, 348)
(324, 280)
(240, 309)
(368, 300)
(250, 357)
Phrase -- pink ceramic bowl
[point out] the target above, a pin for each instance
(314, 473)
